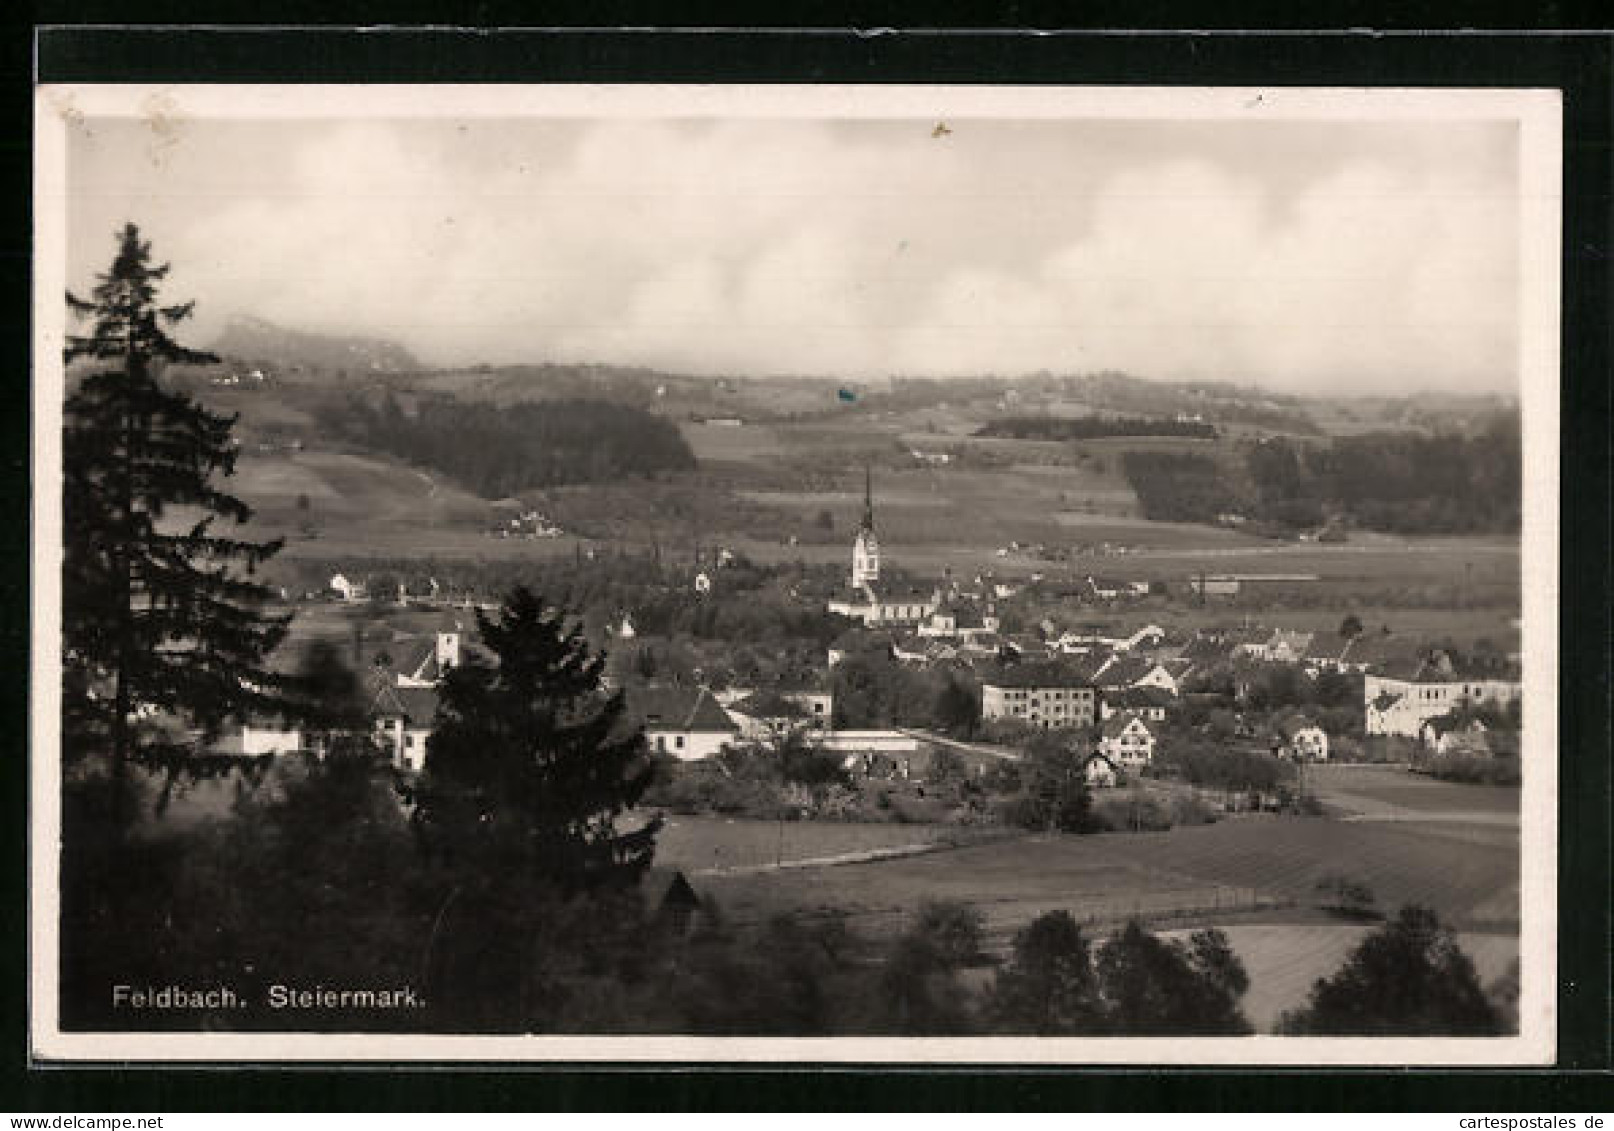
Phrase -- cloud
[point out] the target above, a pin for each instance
(862, 249)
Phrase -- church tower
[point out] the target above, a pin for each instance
(866, 550)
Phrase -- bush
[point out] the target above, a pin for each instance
(1187, 809)
(1476, 769)
(1131, 812)
(1347, 896)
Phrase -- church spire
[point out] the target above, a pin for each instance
(868, 498)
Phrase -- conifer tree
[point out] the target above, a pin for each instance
(530, 762)
(529, 765)
(159, 611)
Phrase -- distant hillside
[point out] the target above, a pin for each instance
(256, 340)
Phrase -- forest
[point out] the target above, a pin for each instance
(1402, 484)
(1093, 428)
(498, 451)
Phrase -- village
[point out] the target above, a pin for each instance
(1119, 701)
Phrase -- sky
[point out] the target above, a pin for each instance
(1307, 257)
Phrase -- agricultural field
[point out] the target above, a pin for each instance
(1468, 874)
(701, 845)
(1393, 792)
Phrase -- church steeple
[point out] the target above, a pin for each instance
(866, 550)
(868, 499)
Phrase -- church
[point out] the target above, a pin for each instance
(865, 600)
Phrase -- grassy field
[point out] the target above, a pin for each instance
(728, 444)
(1469, 874)
(699, 844)
(1377, 789)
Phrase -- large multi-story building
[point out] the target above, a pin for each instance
(1044, 695)
(1400, 702)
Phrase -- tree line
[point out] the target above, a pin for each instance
(501, 450)
(1400, 483)
(1093, 428)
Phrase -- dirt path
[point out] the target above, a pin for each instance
(865, 856)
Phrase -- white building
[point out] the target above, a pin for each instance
(346, 589)
(1401, 706)
(686, 722)
(1127, 741)
(403, 722)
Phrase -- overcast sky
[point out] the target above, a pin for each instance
(1304, 256)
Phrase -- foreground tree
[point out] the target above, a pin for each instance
(159, 610)
(1409, 978)
(528, 768)
(1154, 986)
(1048, 987)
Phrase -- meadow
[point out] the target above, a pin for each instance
(1467, 873)
(1389, 791)
(701, 845)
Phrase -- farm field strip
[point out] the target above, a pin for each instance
(1402, 791)
(1276, 859)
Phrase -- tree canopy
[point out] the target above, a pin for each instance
(160, 614)
(530, 762)
(1135, 984)
(1409, 978)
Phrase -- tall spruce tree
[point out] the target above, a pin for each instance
(530, 761)
(159, 610)
(529, 765)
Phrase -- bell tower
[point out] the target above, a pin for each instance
(866, 550)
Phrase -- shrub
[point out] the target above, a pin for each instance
(1347, 896)
(1187, 809)
(1476, 769)
(1131, 812)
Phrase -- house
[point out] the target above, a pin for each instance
(1149, 703)
(956, 618)
(1042, 694)
(401, 722)
(428, 662)
(346, 589)
(1287, 647)
(1127, 740)
(1326, 653)
(686, 722)
(1299, 739)
(1136, 671)
(761, 714)
(1099, 772)
(1382, 652)
(1447, 734)
(1281, 647)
